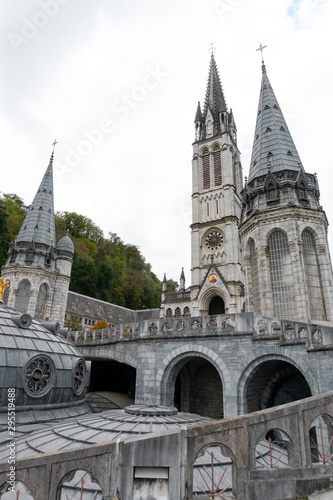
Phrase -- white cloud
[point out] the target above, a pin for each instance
(137, 181)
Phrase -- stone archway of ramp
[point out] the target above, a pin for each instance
(106, 400)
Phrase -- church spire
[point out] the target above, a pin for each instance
(214, 100)
(215, 118)
(273, 147)
(39, 225)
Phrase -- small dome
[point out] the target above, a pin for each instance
(45, 369)
(65, 244)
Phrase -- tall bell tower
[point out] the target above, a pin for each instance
(217, 276)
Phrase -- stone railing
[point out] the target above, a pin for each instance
(314, 337)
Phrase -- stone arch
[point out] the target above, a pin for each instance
(178, 358)
(282, 449)
(254, 360)
(224, 469)
(272, 230)
(79, 480)
(93, 352)
(320, 438)
(209, 294)
(216, 305)
(111, 375)
(204, 150)
(21, 490)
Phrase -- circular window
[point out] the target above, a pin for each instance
(214, 240)
(38, 376)
(79, 377)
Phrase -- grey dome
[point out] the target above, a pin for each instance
(46, 371)
(109, 426)
(65, 244)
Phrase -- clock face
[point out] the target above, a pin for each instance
(214, 240)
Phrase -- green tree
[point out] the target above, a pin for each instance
(83, 277)
(73, 323)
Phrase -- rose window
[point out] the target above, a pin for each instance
(79, 376)
(38, 376)
(214, 240)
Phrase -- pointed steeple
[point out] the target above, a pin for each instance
(198, 116)
(273, 147)
(214, 101)
(182, 281)
(39, 224)
(215, 118)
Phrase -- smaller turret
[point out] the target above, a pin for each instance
(182, 281)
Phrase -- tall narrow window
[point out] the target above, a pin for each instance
(208, 209)
(23, 296)
(313, 278)
(254, 278)
(41, 301)
(281, 276)
(206, 169)
(217, 168)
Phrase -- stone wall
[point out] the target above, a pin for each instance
(238, 346)
(162, 464)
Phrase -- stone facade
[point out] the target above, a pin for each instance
(251, 354)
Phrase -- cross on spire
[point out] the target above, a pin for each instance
(212, 48)
(54, 144)
(261, 48)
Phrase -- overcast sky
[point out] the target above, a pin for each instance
(116, 82)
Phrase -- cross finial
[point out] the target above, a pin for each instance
(212, 48)
(261, 48)
(54, 145)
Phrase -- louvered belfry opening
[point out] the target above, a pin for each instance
(206, 170)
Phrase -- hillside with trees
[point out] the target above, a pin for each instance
(103, 268)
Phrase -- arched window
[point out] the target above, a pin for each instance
(217, 167)
(187, 311)
(254, 278)
(205, 169)
(178, 312)
(313, 278)
(169, 312)
(23, 296)
(41, 301)
(283, 296)
(5, 296)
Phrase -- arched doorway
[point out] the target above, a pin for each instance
(198, 388)
(112, 376)
(273, 383)
(216, 306)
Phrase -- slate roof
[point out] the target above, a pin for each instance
(106, 427)
(39, 224)
(22, 340)
(273, 146)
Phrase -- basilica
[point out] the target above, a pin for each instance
(229, 377)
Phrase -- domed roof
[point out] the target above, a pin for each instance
(111, 425)
(46, 371)
(65, 244)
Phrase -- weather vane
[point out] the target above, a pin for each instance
(212, 48)
(261, 48)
